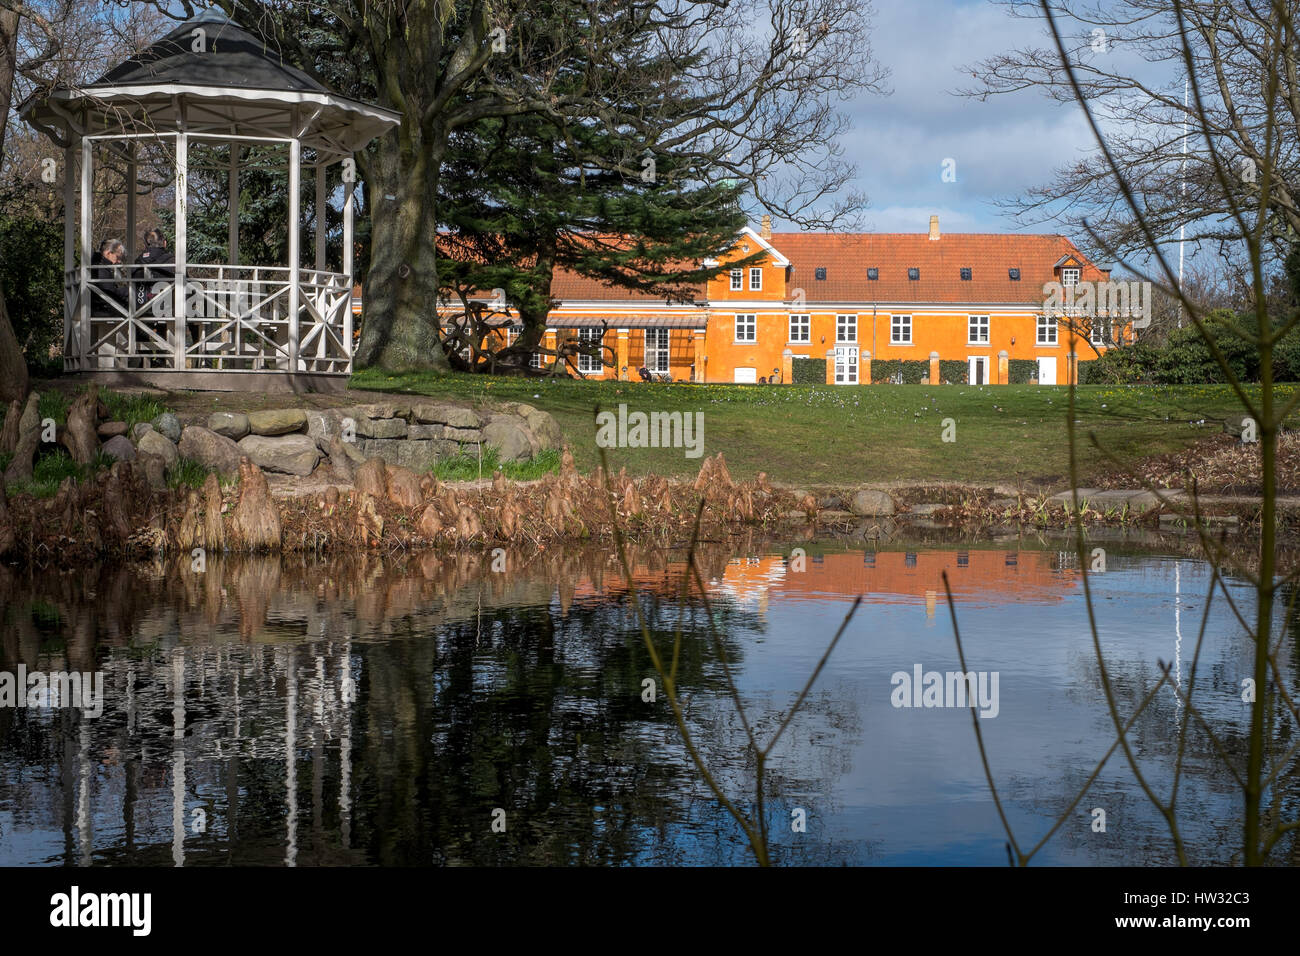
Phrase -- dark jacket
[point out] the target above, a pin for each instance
(103, 276)
(153, 265)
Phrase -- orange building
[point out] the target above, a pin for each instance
(975, 299)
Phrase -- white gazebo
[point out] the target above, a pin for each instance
(188, 116)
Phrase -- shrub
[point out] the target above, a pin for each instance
(31, 277)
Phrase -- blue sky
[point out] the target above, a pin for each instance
(1001, 147)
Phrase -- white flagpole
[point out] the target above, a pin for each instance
(1182, 228)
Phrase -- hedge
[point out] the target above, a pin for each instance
(805, 370)
(1020, 371)
(914, 371)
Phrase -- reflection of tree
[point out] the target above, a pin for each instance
(473, 691)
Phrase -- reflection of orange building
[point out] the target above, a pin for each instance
(884, 577)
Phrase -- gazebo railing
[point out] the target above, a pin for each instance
(234, 319)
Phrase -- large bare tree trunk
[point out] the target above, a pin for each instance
(13, 366)
(399, 329)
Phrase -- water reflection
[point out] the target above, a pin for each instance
(368, 711)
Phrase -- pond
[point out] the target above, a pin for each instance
(498, 709)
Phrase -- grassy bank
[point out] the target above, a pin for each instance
(841, 434)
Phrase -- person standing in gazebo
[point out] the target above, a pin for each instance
(155, 263)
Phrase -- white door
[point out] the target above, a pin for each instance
(846, 365)
(746, 376)
(979, 369)
(1047, 371)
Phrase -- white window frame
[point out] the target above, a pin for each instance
(800, 327)
(843, 324)
(900, 329)
(588, 364)
(1097, 334)
(746, 322)
(1070, 276)
(659, 351)
(737, 280)
(755, 278)
(974, 327)
(1047, 334)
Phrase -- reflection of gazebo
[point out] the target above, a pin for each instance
(206, 103)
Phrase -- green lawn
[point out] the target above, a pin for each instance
(843, 435)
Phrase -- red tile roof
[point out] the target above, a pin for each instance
(572, 287)
(846, 258)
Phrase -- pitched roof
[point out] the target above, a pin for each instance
(233, 58)
(847, 257)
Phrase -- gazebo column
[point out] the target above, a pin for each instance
(232, 186)
(349, 186)
(182, 252)
(71, 305)
(295, 251)
(320, 217)
(322, 339)
(87, 250)
(130, 246)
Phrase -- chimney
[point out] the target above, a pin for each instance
(934, 227)
(766, 231)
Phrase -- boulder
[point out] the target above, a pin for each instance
(510, 438)
(381, 427)
(168, 425)
(277, 421)
(871, 503)
(139, 430)
(287, 454)
(29, 439)
(382, 410)
(154, 443)
(543, 426)
(209, 449)
(155, 471)
(232, 425)
(324, 425)
(111, 430)
(419, 456)
(119, 447)
(454, 415)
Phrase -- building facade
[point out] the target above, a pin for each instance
(970, 306)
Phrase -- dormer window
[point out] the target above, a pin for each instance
(873, 275)
(1069, 277)
(914, 274)
(820, 273)
(965, 275)
(1013, 275)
